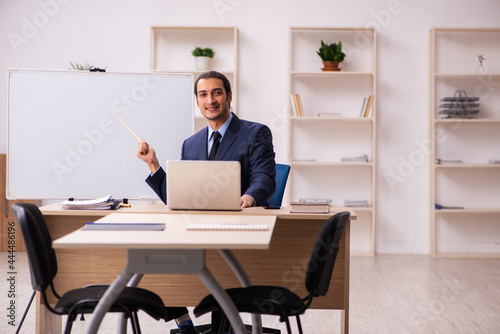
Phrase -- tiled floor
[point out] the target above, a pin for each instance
(389, 294)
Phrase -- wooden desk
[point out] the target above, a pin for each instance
(174, 250)
(283, 264)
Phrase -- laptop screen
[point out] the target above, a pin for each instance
(203, 185)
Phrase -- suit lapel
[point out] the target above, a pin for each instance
(201, 153)
(229, 138)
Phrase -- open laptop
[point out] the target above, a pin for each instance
(203, 185)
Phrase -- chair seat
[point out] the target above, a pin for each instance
(84, 300)
(273, 300)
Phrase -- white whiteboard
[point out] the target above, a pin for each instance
(65, 141)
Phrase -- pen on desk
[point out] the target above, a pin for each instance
(125, 205)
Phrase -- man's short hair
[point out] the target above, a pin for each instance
(213, 75)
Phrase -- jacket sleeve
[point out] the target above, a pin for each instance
(158, 183)
(262, 167)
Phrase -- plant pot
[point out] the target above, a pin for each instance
(201, 63)
(330, 66)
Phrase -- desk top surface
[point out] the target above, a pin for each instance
(175, 235)
(282, 213)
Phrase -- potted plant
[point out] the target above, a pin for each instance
(202, 57)
(331, 55)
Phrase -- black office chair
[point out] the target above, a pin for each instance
(282, 172)
(276, 300)
(43, 267)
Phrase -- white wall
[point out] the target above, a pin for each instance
(114, 34)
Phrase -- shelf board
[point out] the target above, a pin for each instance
(333, 118)
(331, 164)
(465, 75)
(470, 210)
(466, 165)
(331, 29)
(330, 73)
(467, 120)
(189, 71)
(471, 30)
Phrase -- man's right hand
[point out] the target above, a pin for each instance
(147, 154)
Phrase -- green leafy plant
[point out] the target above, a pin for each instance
(80, 67)
(331, 52)
(203, 52)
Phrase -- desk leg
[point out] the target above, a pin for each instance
(242, 276)
(46, 322)
(108, 299)
(223, 299)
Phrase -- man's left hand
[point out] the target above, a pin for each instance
(247, 201)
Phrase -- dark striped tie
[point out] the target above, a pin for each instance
(215, 146)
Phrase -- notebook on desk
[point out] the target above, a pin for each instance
(203, 185)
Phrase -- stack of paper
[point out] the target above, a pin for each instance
(104, 203)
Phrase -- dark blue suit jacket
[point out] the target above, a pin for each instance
(249, 143)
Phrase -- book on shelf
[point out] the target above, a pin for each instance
(294, 105)
(329, 114)
(356, 203)
(297, 105)
(309, 207)
(368, 106)
(363, 107)
(361, 158)
(445, 161)
(442, 207)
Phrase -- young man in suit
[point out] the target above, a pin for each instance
(249, 143)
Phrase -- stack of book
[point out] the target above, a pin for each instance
(309, 207)
(104, 203)
(357, 203)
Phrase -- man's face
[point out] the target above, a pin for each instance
(212, 99)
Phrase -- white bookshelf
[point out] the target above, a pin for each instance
(316, 145)
(473, 184)
(171, 48)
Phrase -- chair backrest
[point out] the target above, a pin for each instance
(41, 256)
(282, 172)
(324, 254)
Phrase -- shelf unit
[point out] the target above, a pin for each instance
(316, 144)
(171, 48)
(474, 184)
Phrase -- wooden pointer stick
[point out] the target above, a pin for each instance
(132, 132)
